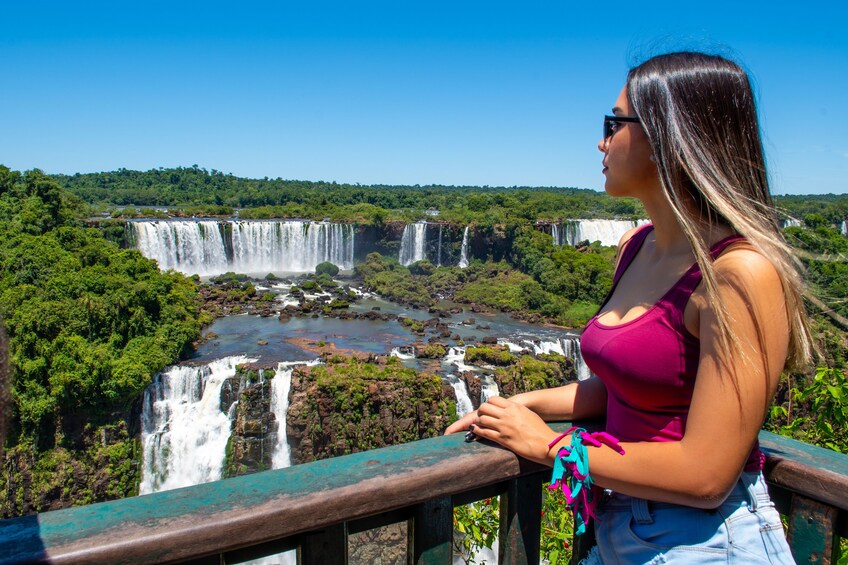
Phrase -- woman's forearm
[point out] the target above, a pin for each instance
(575, 401)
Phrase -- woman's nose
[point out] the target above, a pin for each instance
(602, 144)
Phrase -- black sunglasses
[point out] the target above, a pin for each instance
(611, 121)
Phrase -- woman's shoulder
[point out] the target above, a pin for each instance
(747, 271)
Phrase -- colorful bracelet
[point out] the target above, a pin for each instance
(571, 473)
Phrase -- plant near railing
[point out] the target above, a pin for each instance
(557, 528)
(816, 412)
(477, 527)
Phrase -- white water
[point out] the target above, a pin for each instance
(607, 232)
(844, 227)
(280, 388)
(463, 254)
(790, 222)
(184, 432)
(413, 243)
(439, 252)
(256, 246)
(291, 246)
(566, 346)
(403, 353)
(489, 388)
(186, 246)
(463, 401)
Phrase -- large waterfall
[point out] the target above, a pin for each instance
(246, 246)
(184, 429)
(413, 243)
(186, 246)
(607, 232)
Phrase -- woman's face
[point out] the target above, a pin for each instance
(628, 166)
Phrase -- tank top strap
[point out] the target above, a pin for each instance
(631, 248)
(680, 293)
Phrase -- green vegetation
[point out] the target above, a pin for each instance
(89, 326)
(353, 405)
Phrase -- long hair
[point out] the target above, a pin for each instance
(699, 113)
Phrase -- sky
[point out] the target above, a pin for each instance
(402, 92)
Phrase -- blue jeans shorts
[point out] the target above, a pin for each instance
(746, 528)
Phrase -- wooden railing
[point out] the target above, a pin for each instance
(314, 507)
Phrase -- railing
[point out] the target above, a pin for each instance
(314, 507)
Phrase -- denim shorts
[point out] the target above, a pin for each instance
(746, 528)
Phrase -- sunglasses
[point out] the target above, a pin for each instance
(611, 123)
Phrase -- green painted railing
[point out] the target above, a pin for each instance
(314, 507)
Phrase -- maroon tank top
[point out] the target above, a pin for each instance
(649, 364)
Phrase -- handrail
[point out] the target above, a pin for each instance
(313, 506)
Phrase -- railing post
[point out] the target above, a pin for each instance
(812, 530)
(430, 533)
(521, 520)
(324, 547)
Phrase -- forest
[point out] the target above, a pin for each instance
(91, 322)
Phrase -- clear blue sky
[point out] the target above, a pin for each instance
(460, 92)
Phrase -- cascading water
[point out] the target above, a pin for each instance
(439, 252)
(463, 401)
(413, 243)
(488, 388)
(844, 227)
(184, 429)
(607, 232)
(186, 246)
(292, 246)
(555, 234)
(280, 388)
(255, 246)
(571, 349)
(463, 253)
(567, 347)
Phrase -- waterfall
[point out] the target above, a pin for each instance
(254, 246)
(844, 227)
(413, 243)
(184, 428)
(403, 353)
(790, 222)
(439, 251)
(290, 246)
(607, 232)
(555, 234)
(571, 348)
(463, 401)
(567, 347)
(488, 388)
(186, 246)
(280, 388)
(463, 254)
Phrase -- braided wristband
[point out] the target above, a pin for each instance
(571, 473)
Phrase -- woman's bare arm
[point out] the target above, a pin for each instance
(727, 410)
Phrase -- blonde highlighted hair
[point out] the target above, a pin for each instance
(699, 113)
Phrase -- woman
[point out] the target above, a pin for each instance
(704, 314)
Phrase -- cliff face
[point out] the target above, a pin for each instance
(255, 428)
(349, 405)
(101, 464)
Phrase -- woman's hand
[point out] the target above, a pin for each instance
(462, 424)
(514, 426)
